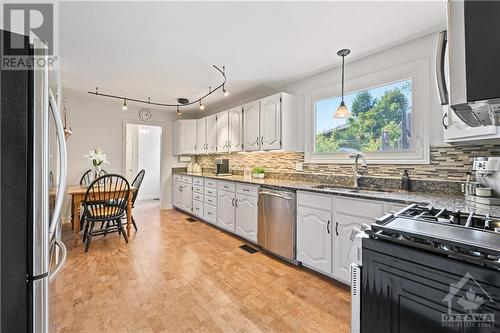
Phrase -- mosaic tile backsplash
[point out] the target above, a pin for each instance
(449, 164)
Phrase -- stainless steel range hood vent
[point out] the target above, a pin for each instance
(474, 61)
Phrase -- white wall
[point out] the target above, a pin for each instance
(99, 122)
(148, 158)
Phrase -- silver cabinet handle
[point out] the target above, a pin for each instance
(440, 58)
(236, 203)
(63, 160)
(62, 259)
(276, 195)
(337, 228)
(328, 226)
(232, 202)
(261, 140)
(257, 141)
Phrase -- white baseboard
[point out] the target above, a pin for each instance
(66, 219)
(148, 197)
(165, 207)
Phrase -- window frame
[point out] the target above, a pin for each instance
(418, 72)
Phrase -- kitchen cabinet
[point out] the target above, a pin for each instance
(314, 238)
(223, 132)
(236, 129)
(201, 136)
(211, 134)
(251, 124)
(246, 216)
(185, 137)
(270, 122)
(225, 210)
(177, 195)
(187, 197)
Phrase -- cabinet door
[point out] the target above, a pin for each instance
(251, 126)
(211, 134)
(188, 133)
(235, 129)
(223, 132)
(270, 122)
(201, 135)
(177, 195)
(342, 243)
(187, 197)
(246, 217)
(314, 239)
(225, 210)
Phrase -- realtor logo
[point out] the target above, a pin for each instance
(469, 296)
(35, 20)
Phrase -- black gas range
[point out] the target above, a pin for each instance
(424, 269)
(464, 236)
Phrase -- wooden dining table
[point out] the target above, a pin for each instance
(77, 192)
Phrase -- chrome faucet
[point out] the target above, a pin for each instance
(357, 176)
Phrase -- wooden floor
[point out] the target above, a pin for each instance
(180, 276)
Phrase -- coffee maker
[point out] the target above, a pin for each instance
(485, 191)
(222, 167)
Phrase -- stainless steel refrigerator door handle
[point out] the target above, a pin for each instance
(62, 259)
(63, 159)
(276, 195)
(440, 58)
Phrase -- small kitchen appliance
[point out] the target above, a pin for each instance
(222, 167)
(406, 264)
(484, 192)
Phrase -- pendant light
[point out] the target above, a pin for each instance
(342, 110)
(124, 106)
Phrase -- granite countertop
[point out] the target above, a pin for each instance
(451, 202)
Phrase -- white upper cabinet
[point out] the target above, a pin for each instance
(211, 134)
(236, 129)
(201, 136)
(270, 122)
(185, 137)
(223, 132)
(251, 123)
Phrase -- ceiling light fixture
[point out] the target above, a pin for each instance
(179, 104)
(342, 110)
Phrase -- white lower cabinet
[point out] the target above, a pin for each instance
(182, 193)
(210, 213)
(177, 195)
(246, 216)
(225, 207)
(187, 197)
(314, 238)
(324, 227)
(198, 208)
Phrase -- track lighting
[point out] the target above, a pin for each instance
(184, 102)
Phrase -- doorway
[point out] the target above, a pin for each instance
(143, 151)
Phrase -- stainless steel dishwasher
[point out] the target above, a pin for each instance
(277, 223)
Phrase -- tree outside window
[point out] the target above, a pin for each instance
(380, 121)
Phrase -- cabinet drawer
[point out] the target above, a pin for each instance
(358, 207)
(177, 178)
(211, 200)
(198, 189)
(226, 186)
(210, 192)
(313, 200)
(187, 179)
(198, 196)
(212, 183)
(198, 208)
(198, 181)
(210, 214)
(247, 189)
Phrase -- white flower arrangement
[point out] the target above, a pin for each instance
(97, 157)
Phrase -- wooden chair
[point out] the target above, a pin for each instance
(105, 202)
(137, 185)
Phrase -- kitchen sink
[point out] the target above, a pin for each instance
(349, 189)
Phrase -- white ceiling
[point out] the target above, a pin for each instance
(166, 50)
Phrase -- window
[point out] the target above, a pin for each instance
(388, 121)
(380, 120)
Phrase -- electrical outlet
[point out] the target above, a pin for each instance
(299, 166)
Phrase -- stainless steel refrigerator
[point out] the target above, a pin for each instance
(32, 185)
